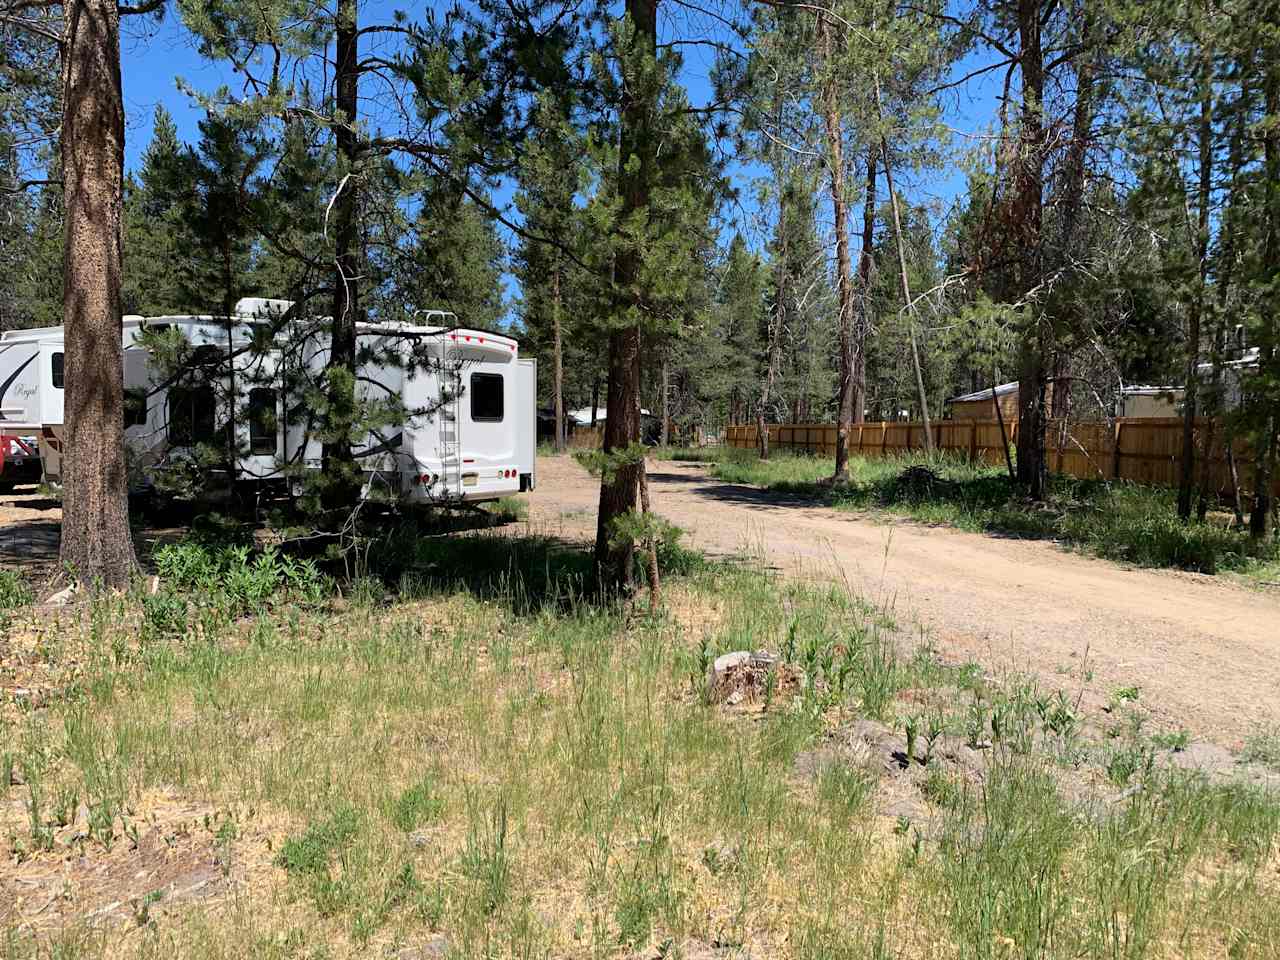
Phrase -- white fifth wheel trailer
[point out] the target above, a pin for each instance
(26, 360)
(469, 434)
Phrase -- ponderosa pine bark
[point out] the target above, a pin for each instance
(666, 403)
(557, 348)
(777, 316)
(1265, 440)
(1191, 392)
(1225, 277)
(865, 262)
(341, 470)
(1026, 216)
(844, 264)
(96, 544)
(622, 424)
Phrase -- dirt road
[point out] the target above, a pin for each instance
(1204, 652)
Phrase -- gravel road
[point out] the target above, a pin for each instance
(1205, 652)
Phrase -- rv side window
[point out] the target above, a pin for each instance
(262, 421)
(191, 413)
(135, 407)
(486, 397)
(59, 374)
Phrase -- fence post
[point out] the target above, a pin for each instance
(973, 441)
(1115, 451)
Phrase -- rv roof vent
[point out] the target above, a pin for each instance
(262, 307)
(132, 318)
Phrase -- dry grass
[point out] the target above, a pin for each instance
(466, 772)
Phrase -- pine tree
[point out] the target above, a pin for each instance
(652, 221)
(153, 247)
(454, 259)
(720, 360)
(96, 543)
(547, 261)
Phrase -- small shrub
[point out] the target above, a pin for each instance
(1125, 763)
(487, 861)
(942, 790)
(507, 510)
(845, 789)
(417, 805)
(307, 858)
(237, 577)
(164, 614)
(14, 591)
(309, 854)
(1176, 741)
(1263, 746)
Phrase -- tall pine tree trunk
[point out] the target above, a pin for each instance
(558, 360)
(1226, 272)
(900, 242)
(1027, 215)
(622, 425)
(96, 544)
(777, 317)
(666, 400)
(1269, 423)
(844, 265)
(1190, 397)
(342, 477)
(865, 262)
(773, 337)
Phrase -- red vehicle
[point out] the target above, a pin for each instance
(19, 461)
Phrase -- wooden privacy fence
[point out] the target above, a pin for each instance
(1143, 450)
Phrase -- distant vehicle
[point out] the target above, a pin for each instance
(26, 358)
(19, 461)
(468, 434)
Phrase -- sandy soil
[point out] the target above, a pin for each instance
(30, 528)
(1204, 652)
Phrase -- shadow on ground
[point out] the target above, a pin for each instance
(30, 541)
(738, 493)
(525, 573)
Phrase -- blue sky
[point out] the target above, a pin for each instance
(154, 55)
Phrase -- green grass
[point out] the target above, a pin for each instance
(1117, 521)
(488, 755)
(507, 510)
(1263, 747)
(14, 591)
(710, 454)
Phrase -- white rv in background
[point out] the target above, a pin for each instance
(28, 359)
(471, 435)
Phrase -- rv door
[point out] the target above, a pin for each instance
(527, 430)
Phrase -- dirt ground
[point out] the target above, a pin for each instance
(1203, 651)
(30, 527)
